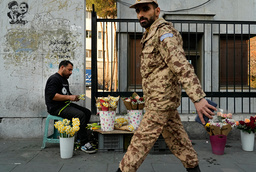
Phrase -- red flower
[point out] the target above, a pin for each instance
(102, 101)
(242, 122)
(248, 125)
(134, 100)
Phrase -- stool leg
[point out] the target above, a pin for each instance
(56, 134)
(45, 132)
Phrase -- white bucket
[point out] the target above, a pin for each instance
(247, 141)
(107, 120)
(135, 117)
(66, 147)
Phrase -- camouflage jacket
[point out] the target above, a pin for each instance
(164, 68)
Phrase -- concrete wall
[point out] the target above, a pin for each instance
(31, 47)
(222, 10)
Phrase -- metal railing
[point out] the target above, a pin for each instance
(222, 53)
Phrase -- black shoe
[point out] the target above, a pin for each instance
(118, 170)
(195, 169)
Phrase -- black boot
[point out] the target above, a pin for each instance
(118, 170)
(195, 169)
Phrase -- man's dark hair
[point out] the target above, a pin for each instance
(12, 3)
(65, 63)
(154, 5)
(25, 4)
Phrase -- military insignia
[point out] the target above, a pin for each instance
(166, 36)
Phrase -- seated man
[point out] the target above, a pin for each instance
(58, 101)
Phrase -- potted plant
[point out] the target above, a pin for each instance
(134, 105)
(67, 133)
(247, 129)
(218, 128)
(107, 111)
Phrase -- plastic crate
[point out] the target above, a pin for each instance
(127, 140)
(111, 142)
(160, 147)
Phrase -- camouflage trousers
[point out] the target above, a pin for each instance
(154, 123)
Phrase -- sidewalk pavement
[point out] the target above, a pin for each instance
(26, 156)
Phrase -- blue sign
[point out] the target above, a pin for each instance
(88, 78)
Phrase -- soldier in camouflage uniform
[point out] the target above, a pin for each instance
(164, 69)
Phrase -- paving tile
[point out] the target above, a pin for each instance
(26, 155)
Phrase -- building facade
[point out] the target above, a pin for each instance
(38, 34)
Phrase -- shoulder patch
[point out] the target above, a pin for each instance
(166, 36)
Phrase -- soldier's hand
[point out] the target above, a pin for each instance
(202, 108)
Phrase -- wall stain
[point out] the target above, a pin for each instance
(67, 5)
(23, 40)
(52, 38)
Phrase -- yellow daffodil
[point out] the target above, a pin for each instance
(65, 129)
(207, 125)
(81, 97)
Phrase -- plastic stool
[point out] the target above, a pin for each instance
(54, 137)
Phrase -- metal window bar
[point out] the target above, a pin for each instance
(242, 88)
(243, 97)
(249, 57)
(234, 61)
(226, 64)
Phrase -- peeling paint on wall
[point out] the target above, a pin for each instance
(53, 37)
(30, 52)
(67, 5)
(23, 40)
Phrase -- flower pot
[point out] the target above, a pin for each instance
(218, 143)
(66, 147)
(107, 120)
(247, 141)
(134, 117)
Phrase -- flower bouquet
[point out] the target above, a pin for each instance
(81, 97)
(107, 111)
(220, 124)
(67, 133)
(135, 102)
(65, 129)
(247, 129)
(107, 103)
(122, 123)
(93, 126)
(218, 128)
(247, 125)
(134, 105)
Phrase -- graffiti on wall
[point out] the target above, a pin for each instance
(32, 43)
(47, 36)
(60, 41)
(66, 5)
(22, 40)
(17, 13)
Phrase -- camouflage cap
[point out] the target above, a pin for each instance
(143, 2)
